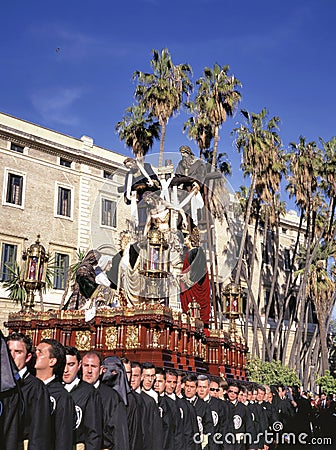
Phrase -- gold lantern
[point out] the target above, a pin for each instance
(35, 270)
(232, 304)
(154, 267)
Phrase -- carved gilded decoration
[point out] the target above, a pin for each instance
(46, 334)
(132, 339)
(111, 338)
(156, 338)
(83, 340)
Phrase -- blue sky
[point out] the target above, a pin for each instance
(68, 65)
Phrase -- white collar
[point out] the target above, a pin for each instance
(152, 394)
(172, 395)
(70, 386)
(22, 372)
(49, 379)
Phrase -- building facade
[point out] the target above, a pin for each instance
(61, 188)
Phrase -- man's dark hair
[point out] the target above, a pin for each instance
(234, 384)
(56, 350)
(125, 360)
(261, 387)
(73, 351)
(147, 365)
(135, 364)
(191, 377)
(160, 371)
(243, 389)
(171, 372)
(15, 336)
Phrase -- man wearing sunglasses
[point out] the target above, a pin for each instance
(219, 409)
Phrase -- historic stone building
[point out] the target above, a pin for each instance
(62, 188)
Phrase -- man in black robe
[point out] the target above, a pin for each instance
(183, 411)
(37, 427)
(151, 420)
(242, 435)
(219, 413)
(115, 431)
(88, 406)
(133, 411)
(170, 416)
(204, 418)
(50, 363)
(11, 401)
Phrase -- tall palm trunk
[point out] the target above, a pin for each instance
(162, 141)
(246, 224)
(215, 148)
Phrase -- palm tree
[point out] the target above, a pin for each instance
(320, 290)
(217, 98)
(199, 128)
(259, 142)
(305, 165)
(162, 92)
(138, 130)
(329, 179)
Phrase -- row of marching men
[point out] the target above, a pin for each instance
(75, 402)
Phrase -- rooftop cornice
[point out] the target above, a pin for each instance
(57, 149)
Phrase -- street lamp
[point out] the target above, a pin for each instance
(233, 305)
(35, 270)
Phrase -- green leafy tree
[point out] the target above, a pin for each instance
(272, 372)
(162, 92)
(217, 98)
(327, 383)
(138, 130)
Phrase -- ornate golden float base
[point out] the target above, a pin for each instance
(148, 332)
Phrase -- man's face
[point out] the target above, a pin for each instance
(178, 385)
(128, 371)
(171, 382)
(136, 377)
(19, 353)
(242, 397)
(91, 368)
(190, 388)
(203, 388)
(282, 392)
(148, 378)
(214, 389)
(233, 393)
(260, 395)
(72, 367)
(159, 384)
(43, 360)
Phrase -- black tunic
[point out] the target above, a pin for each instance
(62, 416)
(11, 401)
(134, 415)
(205, 422)
(242, 428)
(89, 416)
(115, 431)
(189, 423)
(151, 423)
(37, 417)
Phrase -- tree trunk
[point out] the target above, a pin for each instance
(247, 220)
(215, 149)
(162, 140)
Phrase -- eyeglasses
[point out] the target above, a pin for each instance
(232, 392)
(149, 376)
(214, 390)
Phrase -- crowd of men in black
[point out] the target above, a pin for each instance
(64, 401)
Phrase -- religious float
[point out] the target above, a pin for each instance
(159, 298)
